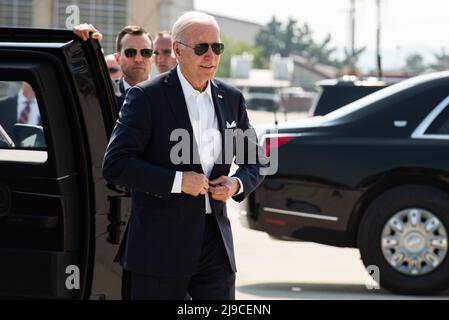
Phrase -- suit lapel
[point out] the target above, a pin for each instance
(121, 86)
(218, 97)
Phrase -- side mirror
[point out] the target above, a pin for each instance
(29, 136)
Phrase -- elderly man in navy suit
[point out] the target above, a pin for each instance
(179, 240)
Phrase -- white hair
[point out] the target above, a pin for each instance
(189, 18)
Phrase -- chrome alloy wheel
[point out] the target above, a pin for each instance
(414, 241)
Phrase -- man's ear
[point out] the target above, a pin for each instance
(176, 49)
(116, 55)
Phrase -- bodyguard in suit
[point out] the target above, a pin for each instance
(179, 238)
(134, 54)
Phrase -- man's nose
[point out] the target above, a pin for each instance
(209, 53)
(138, 57)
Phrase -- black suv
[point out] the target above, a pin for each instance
(59, 220)
(335, 93)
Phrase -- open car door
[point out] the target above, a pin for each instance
(58, 235)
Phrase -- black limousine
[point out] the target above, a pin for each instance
(372, 175)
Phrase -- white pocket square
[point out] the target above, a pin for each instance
(230, 125)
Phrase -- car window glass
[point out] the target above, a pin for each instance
(334, 97)
(20, 118)
(361, 104)
(441, 124)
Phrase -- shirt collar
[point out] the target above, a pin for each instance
(187, 88)
(126, 85)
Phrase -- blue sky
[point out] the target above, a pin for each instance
(407, 25)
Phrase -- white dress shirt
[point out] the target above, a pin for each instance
(206, 132)
(34, 116)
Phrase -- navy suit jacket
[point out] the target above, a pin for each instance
(8, 114)
(120, 93)
(165, 230)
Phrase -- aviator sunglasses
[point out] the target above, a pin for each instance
(131, 52)
(113, 70)
(202, 48)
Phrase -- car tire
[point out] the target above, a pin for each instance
(374, 225)
(126, 285)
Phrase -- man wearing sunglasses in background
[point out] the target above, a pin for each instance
(134, 51)
(179, 240)
(115, 72)
(164, 58)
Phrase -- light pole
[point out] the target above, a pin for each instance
(378, 29)
(352, 35)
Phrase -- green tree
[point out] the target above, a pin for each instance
(237, 48)
(414, 63)
(269, 38)
(442, 60)
(298, 39)
(348, 56)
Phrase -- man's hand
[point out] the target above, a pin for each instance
(83, 30)
(194, 183)
(224, 188)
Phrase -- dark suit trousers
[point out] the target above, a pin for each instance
(214, 279)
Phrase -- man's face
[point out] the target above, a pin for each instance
(28, 91)
(198, 69)
(137, 68)
(163, 54)
(114, 68)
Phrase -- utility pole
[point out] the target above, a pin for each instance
(352, 36)
(352, 19)
(378, 29)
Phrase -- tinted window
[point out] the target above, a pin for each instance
(334, 97)
(20, 117)
(441, 124)
(403, 91)
(262, 90)
(261, 103)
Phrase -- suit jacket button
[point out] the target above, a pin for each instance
(203, 211)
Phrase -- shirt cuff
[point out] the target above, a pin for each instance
(241, 186)
(177, 183)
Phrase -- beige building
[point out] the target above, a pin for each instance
(306, 73)
(108, 16)
(237, 30)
